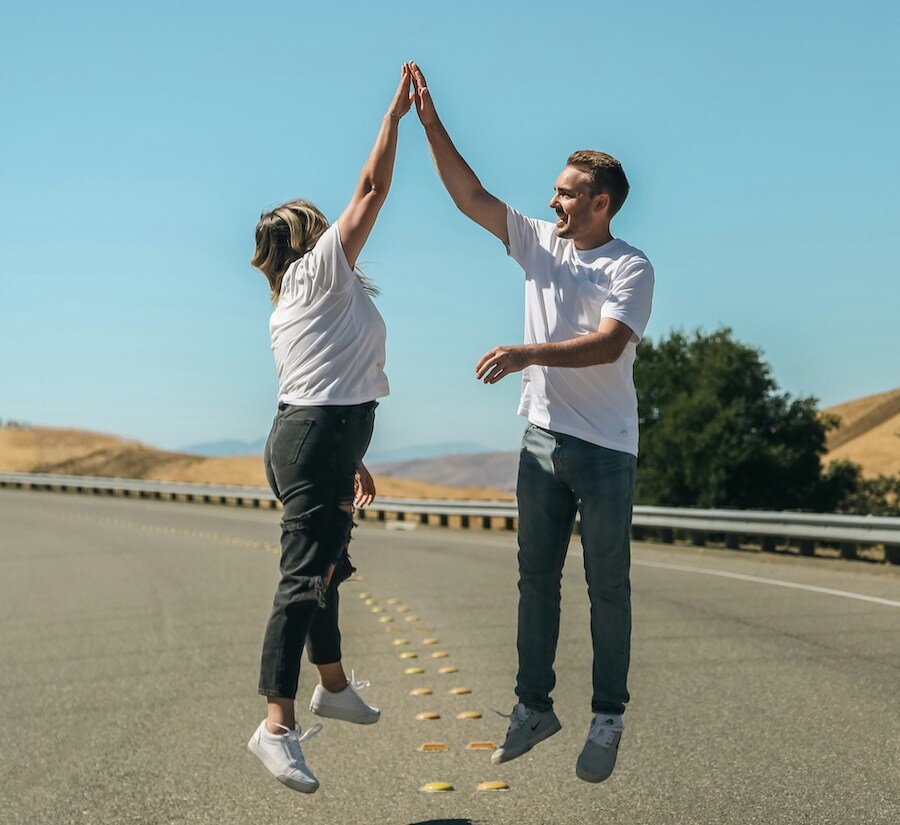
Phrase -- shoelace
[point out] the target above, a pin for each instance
(603, 734)
(293, 738)
(516, 719)
(362, 683)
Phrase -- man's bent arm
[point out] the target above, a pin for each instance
(601, 347)
(605, 346)
(470, 197)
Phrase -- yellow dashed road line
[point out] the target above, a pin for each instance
(433, 747)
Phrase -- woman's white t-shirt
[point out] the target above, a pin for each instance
(327, 336)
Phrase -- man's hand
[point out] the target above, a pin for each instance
(424, 104)
(363, 487)
(500, 362)
(403, 97)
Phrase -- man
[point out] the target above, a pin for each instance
(587, 302)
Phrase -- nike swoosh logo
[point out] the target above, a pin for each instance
(535, 727)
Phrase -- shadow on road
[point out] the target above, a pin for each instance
(444, 822)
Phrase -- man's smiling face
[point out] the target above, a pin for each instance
(577, 211)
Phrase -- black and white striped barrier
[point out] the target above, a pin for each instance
(733, 528)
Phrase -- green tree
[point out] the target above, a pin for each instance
(879, 496)
(716, 431)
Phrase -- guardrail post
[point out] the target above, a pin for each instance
(423, 518)
(443, 520)
(667, 535)
(848, 550)
(733, 541)
(509, 523)
(892, 553)
(807, 547)
(768, 544)
(698, 539)
(463, 521)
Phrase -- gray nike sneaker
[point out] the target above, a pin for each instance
(598, 756)
(526, 728)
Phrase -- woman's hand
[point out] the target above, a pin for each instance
(363, 487)
(403, 97)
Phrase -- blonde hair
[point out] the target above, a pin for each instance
(285, 235)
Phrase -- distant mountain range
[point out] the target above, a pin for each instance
(228, 447)
(869, 435)
(472, 470)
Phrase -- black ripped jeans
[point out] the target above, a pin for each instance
(311, 459)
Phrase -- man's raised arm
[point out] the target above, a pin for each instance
(461, 182)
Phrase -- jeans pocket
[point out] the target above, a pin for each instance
(288, 439)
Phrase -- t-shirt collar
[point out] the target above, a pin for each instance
(595, 252)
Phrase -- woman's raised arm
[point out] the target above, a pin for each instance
(358, 218)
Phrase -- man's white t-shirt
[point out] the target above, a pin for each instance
(567, 292)
(327, 336)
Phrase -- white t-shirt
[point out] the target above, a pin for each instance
(327, 336)
(567, 292)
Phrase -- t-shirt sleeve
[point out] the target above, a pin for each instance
(328, 268)
(631, 296)
(527, 236)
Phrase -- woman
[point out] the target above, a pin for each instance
(328, 341)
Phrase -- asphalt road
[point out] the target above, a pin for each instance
(130, 640)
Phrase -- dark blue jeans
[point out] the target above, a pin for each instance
(311, 459)
(560, 475)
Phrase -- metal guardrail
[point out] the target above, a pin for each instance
(732, 527)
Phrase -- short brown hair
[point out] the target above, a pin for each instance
(607, 176)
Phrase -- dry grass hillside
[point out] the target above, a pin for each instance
(80, 452)
(869, 434)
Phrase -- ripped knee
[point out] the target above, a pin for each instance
(342, 565)
(346, 522)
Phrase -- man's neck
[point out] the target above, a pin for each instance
(596, 238)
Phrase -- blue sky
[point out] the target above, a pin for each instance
(141, 141)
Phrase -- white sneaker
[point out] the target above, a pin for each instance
(598, 756)
(283, 757)
(345, 704)
(527, 727)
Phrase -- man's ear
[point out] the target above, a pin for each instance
(601, 202)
